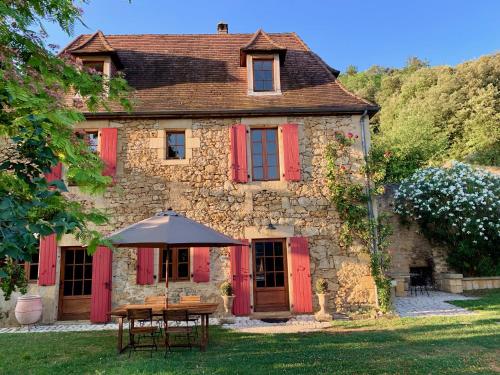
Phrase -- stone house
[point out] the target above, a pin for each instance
(229, 130)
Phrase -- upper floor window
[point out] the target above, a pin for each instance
(263, 79)
(94, 66)
(176, 145)
(265, 162)
(178, 263)
(92, 139)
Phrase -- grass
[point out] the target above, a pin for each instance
(447, 345)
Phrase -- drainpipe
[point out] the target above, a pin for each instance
(366, 153)
(371, 214)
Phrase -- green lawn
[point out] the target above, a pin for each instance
(458, 345)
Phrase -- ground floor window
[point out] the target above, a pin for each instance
(178, 264)
(31, 267)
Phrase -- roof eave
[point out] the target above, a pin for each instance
(315, 111)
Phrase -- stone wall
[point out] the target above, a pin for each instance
(408, 246)
(202, 190)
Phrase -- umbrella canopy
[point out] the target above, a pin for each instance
(168, 228)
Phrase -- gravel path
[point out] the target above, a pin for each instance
(300, 323)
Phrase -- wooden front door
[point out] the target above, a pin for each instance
(270, 281)
(76, 284)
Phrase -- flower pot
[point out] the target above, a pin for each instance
(28, 309)
(322, 315)
(228, 304)
(322, 302)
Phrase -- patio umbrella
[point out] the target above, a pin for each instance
(166, 229)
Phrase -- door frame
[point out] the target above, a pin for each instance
(62, 264)
(286, 288)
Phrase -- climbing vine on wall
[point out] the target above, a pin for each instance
(350, 194)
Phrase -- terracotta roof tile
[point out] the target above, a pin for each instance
(202, 73)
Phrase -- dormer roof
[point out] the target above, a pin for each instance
(95, 44)
(260, 43)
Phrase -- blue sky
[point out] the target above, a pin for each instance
(362, 33)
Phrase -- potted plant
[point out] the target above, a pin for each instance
(321, 292)
(28, 307)
(226, 291)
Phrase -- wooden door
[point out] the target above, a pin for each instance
(270, 281)
(76, 284)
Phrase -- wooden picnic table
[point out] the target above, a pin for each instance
(204, 310)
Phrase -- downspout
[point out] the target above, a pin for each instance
(366, 154)
(371, 214)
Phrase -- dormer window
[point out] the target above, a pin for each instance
(262, 57)
(263, 79)
(94, 66)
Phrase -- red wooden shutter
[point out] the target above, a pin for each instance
(239, 167)
(201, 264)
(301, 275)
(145, 265)
(55, 173)
(291, 152)
(240, 271)
(100, 304)
(108, 142)
(48, 260)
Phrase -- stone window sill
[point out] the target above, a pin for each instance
(175, 162)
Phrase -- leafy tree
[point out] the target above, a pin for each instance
(430, 115)
(37, 129)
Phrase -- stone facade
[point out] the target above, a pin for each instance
(201, 188)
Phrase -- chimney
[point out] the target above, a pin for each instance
(222, 28)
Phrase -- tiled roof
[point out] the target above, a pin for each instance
(190, 74)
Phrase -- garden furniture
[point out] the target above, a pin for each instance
(177, 329)
(204, 310)
(141, 314)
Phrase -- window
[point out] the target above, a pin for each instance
(91, 137)
(263, 79)
(176, 145)
(178, 264)
(265, 163)
(31, 267)
(94, 66)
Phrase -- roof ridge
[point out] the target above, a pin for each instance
(299, 39)
(336, 81)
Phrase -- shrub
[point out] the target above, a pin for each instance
(460, 207)
(321, 286)
(226, 289)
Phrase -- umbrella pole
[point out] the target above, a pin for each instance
(166, 279)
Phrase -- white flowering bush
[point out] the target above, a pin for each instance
(459, 206)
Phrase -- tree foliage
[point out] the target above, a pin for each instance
(430, 115)
(37, 131)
